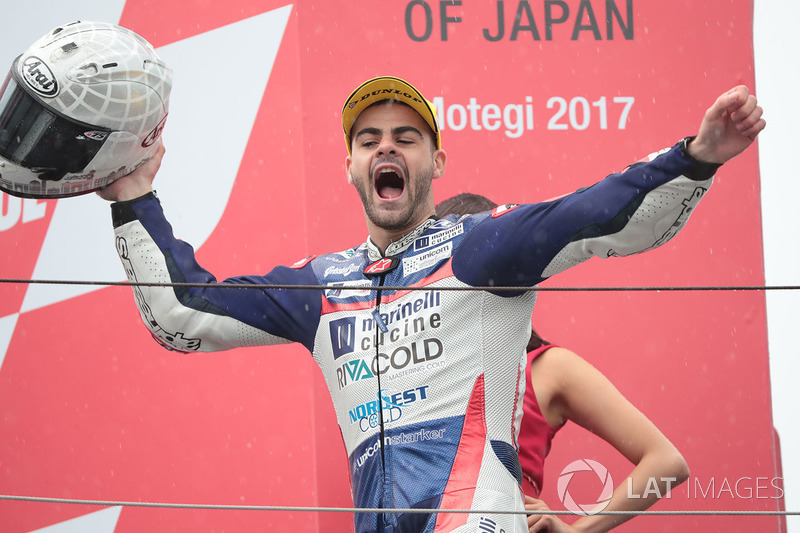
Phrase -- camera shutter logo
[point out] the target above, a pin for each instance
(585, 465)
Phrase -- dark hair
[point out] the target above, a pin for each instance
(535, 341)
(467, 203)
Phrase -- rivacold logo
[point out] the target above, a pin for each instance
(39, 76)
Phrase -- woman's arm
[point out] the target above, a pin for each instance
(569, 388)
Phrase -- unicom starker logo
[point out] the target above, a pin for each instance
(585, 465)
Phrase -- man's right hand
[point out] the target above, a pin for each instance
(137, 183)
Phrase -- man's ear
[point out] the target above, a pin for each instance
(347, 162)
(439, 162)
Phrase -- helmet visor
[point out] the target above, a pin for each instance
(39, 139)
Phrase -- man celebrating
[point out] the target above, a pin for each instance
(426, 381)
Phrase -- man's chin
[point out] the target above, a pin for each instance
(388, 220)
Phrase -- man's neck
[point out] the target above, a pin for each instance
(395, 240)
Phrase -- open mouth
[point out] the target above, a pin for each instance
(389, 183)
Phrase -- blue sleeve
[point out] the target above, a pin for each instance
(626, 213)
(148, 248)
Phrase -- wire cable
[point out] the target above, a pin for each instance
(113, 503)
(261, 286)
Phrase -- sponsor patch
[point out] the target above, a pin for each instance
(347, 254)
(342, 271)
(348, 289)
(403, 438)
(381, 266)
(501, 210)
(368, 415)
(427, 259)
(438, 238)
(343, 336)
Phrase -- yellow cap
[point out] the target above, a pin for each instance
(387, 88)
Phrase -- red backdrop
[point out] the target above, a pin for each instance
(92, 408)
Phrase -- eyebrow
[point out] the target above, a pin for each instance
(399, 130)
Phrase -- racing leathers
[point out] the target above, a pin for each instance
(426, 373)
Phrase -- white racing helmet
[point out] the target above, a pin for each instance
(82, 107)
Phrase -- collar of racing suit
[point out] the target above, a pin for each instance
(398, 246)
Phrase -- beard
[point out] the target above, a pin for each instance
(399, 217)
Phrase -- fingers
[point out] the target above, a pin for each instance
(745, 113)
(158, 155)
(137, 183)
(537, 521)
(747, 118)
(540, 525)
(737, 97)
(160, 150)
(532, 504)
(738, 109)
(753, 131)
(737, 103)
(745, 110)
(752, 124)
(727, 103)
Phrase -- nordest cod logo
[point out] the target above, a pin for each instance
(39, 76)
(368, 416)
